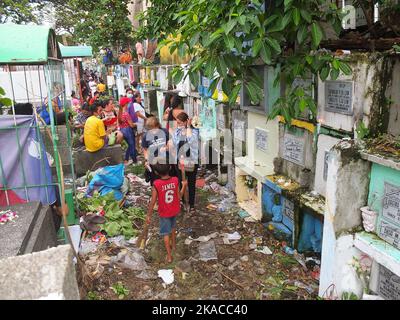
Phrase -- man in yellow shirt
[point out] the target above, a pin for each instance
(94, 133)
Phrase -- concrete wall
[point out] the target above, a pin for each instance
(394, 94)
(346, 193)
(375, 80)
(46, 275)
(325, 143)
(256, 120)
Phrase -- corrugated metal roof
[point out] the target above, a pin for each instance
(75, 51)
(27, 44)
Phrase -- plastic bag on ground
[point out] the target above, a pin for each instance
(167, 275)
(106, 180)
(208, 251)
(132, 260)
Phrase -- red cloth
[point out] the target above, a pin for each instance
(125, 117)
(168, 197)
(13, 198)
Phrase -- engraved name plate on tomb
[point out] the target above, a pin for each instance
(288, 209)
(239, 130)
(261, 137)
(390, 233)
(339, 97)
(391, 203)
(293, 149)
(389, 284)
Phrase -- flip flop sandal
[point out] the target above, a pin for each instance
(88, 226)
(95, 219)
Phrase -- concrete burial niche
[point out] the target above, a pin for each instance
(346, 192)
(33, 230)
(297, 153)
(85, 161)
(324, 145)
(280, 212)
(369, 95)
(384, 198)
(45, 275)
(262, 148)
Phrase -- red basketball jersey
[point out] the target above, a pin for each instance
(168, 197)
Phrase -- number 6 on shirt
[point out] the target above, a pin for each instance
(169, 196)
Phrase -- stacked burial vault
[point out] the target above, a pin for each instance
(312, 179)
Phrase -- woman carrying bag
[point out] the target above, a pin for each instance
(185, 143)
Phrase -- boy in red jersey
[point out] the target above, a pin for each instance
(166, 191)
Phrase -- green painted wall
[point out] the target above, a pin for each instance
(380, 175)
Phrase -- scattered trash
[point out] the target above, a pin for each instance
(119, 241)
(167, 275)
(301, 285)
(212, 207)
(202, 238)
(215, 187)
(186, 230)
(264, 250)
(244, 258)
(369, 219)
(208, 251)
(289, 250)
(133, 240)
(311, 262)
(250, 219)
(252, 246)
(258, 241)
(210, 177)
(227, 203)
(315, 273)
(132, 260)
(234, 236)
(231, 238)
(234, 265)
(6, 216)
(99, 238)
(243, 214)
(87, 246)
(98, 271)
(300, 259)
(133, 179)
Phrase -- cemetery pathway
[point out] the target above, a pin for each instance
(235, 269)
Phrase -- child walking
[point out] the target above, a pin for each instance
(166, 191)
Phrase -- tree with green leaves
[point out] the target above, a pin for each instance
(97, 23)
(225, 39)
(20, 11)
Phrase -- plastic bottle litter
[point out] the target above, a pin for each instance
(289, 250)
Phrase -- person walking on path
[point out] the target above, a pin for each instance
(154, 145)
(185, 143)
(141, 116)
(166, 194)
(126, 125)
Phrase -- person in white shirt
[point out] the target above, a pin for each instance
(141, 114)
(92, 86)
